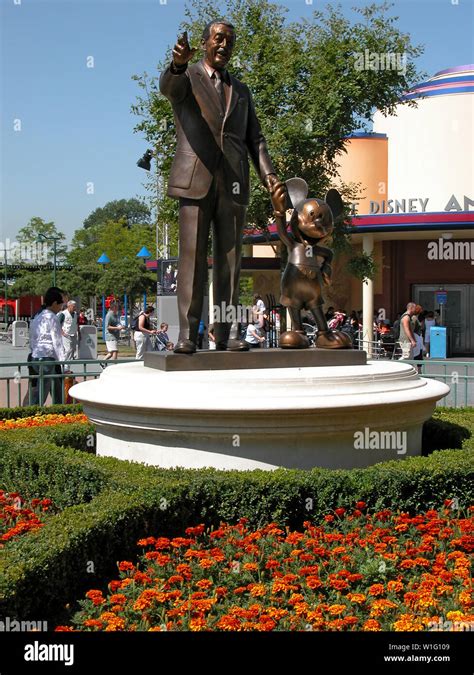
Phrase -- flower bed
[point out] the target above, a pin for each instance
(41, 421)
(17, 517)
(351, 572)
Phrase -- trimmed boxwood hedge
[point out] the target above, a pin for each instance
(108, 504)
(31, 410)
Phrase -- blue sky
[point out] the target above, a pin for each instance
(76, 125)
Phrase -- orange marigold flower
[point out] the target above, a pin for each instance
(115, 624)
(408, 622)
(340, 511)
(336, 609)
(313, 582)
(126, 566)
(295, 598)
(195, 531)
(271, 564)
(204, 584)
(198, 595)
(179, 542)
(335, 624)
(395, 586)
(149, 541)
(197, 623)
(250, 567)
(361, 505)
(257, 590)
(465, 598)
(205, 563)
(93, 623)
(372, 625)
(175, 579)
(376, 589)
(354, 577)
(118, 599)
(228, 623)
(357, 598)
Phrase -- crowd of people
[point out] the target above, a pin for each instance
(410, 331)
(55, 337)
(55, 334)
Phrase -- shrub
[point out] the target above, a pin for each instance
(108, 504)
(28, 411)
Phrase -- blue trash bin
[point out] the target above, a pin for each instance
(438, 342)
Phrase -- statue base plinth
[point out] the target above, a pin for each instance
(294, 416)
(255, 359)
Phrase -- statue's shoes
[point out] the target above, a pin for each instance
(184, 347)
(292, 339)
(333, 340)
(232, 345)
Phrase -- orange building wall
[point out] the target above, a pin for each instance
(366, 162)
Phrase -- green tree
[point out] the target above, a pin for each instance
(126, 276)
(308, 90)
(132, 211)
(35, 258)
(34, 232)
(121, 244)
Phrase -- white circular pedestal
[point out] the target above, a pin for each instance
(335, 417)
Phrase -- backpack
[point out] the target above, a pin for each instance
(134, 325)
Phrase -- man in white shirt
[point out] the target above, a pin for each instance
(47, 348)
(70, 330)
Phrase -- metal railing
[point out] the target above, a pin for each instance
(459, 379)
(459, 375)
(21, 384)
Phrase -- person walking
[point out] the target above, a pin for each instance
(430, 322)
(68, 318)
(407, 338)
(47, 348)
(143, 331)
(112, 331)
(417, 322)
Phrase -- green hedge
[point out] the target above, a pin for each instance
(31, 410)
(108, 504)
(448, 428)
(77, 435)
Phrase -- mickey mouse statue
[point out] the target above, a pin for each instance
(309, 262)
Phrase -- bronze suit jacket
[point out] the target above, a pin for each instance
(206, 135)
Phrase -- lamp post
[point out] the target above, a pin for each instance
(103, 260)
(162, 234)
(144, 254)
(43, 237)
(6, 289)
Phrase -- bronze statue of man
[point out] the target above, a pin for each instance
(216, 128)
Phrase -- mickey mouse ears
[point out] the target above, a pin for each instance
(297, 192)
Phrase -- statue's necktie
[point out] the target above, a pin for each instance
(219, 85)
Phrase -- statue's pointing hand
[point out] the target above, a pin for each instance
(182, 52)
